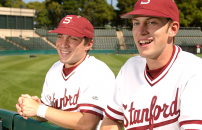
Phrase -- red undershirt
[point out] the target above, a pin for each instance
(67, 71)
(154, 73)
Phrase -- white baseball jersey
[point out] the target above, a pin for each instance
(198, 50)
(85, 89)
(171, 101)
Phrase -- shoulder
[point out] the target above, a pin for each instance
(96, 63)
(190, 58)
(189, 62)
(56, 66)
(135, 62)
(97, 66)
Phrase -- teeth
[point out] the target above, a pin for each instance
(146, 41)
(65, 52)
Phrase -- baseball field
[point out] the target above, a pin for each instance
(24, 75)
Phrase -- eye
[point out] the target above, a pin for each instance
(152, 23)
(136, 23)
(72, 39)
(59, 36)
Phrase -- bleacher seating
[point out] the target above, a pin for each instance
(184, 37)
(130, 44)
(5, 45)
(188, 41)
(105, 43)
(32, 43)
(127, 33)
(104, 33)
(128, 37)
(188, 37)
(44, 33)
(189, 33)
(52, 39)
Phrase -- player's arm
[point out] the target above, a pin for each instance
(40, 119)
(65, 119)
(109, 124)
(72, 120)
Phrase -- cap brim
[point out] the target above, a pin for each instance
(144, 12)
(67, 31)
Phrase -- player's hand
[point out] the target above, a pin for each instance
(18, 105)
(33, 97)
(20, 101)
(29, 107)
(23, 96)
(19, 110)
(36, 99)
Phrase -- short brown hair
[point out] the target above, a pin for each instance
(86, 41)
(170, 21)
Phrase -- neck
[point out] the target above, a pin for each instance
(162, 59)
(76, 63)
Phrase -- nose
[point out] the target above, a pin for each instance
(63, 42)
(142, 30)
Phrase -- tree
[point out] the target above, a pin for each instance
(98, 12)
(57, 9)
(54, 9)
(125, 7)
(41, 14)
(18, 4)
(190, 12)
(71, 7)
(12, 3)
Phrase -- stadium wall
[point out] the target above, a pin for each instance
(48, 52)
(13, 121)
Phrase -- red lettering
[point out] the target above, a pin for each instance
(70, 98)
(131, 113)
(137, 116)
(64, 101)
(165, 109)
(125, 119)
(149, 115)
(146, 113)
(157, 112)
(76, 96)
(173, 106)
(153, 102)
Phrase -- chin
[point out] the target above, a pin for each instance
(145, 54)
(63, 60)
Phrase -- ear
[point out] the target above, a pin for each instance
(174, 27)
(89, 45)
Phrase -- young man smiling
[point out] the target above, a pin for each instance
(161, 88)
(76, 87)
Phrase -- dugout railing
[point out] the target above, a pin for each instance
(10, 120)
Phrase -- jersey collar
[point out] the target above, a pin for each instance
(165, 70)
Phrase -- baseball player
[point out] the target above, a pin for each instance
(76, 87)
(198, 49)
(160, 89)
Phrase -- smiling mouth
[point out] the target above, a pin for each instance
(145, 42)
(65, 52)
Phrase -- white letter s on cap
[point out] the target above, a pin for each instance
(145, 2)
(67, 20)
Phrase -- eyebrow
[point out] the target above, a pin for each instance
(147, 18)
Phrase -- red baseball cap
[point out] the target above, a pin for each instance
(159, 8)
(74, 25)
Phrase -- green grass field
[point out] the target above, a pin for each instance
(24, 75)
